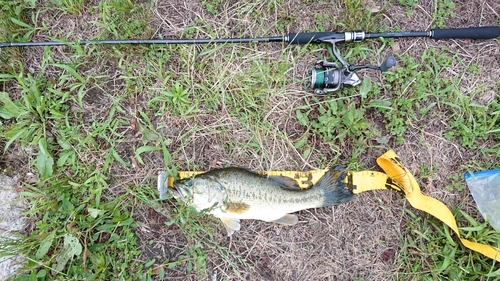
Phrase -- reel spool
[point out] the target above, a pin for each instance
(329, 77)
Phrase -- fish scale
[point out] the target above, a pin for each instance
(267, 191)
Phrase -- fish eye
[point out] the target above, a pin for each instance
(189, 183)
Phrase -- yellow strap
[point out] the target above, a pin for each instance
(396, 177)
(357, 181)
(369, 180)
(399, 174)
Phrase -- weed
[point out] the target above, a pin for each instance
(359, 17)
(112, 15)
(69, 6)
(211, 5)
(284, 21)
(431, 253)
(456, 182)
(320, 19)
(421, 90)
(76, 226)
(477, 122)
(176, 98)
(29, 118)
(411, 3)
(336, 120)
(425, 93)
(15, 21)
(188, 220)
(442, 11)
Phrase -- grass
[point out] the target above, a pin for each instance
(440, 258)
(96, 124)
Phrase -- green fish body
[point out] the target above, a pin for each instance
(232, 194)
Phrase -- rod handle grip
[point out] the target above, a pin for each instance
(312, 37)
(484, 32)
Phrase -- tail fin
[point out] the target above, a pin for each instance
(333, 187)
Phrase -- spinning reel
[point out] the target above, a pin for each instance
(329, 77)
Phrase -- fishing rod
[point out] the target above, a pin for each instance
(325, 76)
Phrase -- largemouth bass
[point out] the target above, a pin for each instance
(232, 194)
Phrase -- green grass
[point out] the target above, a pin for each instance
(97, 123)
(431, 250)
(440, 11)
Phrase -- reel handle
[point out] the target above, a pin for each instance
(388, 63)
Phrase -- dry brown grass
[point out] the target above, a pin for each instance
(359, 240)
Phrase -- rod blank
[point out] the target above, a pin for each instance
(145, 41)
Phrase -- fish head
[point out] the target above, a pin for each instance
(201, 192)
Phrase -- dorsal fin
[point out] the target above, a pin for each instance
(286, 183)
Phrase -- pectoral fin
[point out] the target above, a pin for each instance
(237, 207)
(231, 224)
(287, 219)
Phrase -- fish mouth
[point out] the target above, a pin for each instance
(174, 192)
(178, 191)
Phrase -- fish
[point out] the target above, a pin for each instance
(233, 194)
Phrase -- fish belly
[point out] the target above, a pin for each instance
(252, 214)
